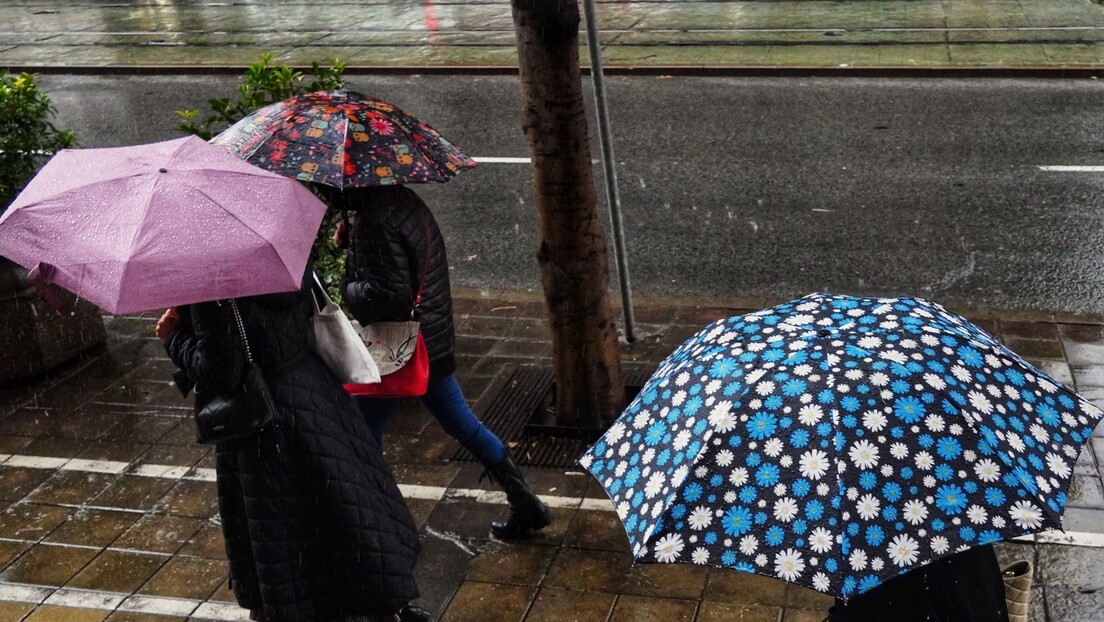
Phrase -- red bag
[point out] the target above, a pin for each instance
(410, 380)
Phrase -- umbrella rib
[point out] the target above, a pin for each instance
(237, 218)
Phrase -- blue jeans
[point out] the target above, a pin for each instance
(445, 401)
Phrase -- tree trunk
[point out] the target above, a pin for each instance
(571, 244)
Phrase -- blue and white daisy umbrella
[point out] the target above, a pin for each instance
(836, 442)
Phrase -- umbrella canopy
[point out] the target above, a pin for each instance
(152, 226)
(836, 442)
(345, 140)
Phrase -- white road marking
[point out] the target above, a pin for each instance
(1073, 169)
(415, 491)
(497, 160)
(103, 600)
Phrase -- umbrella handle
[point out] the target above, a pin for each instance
(40, 276)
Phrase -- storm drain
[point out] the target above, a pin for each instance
(517, 408)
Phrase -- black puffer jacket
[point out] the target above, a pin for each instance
(394, 239)
(964, 587)
(315, 526)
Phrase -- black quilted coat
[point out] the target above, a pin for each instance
(393, 242)
(315, 526)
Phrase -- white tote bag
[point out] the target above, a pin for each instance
(339, 345)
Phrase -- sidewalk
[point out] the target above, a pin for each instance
(107, 506)
(659, 36)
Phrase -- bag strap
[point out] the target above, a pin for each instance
(317, 289)
(241, 329)
(425, 268)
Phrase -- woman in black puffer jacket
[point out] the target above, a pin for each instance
(396, 251)
(315, 527)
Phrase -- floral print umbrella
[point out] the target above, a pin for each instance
(343, 139)
(836, 442)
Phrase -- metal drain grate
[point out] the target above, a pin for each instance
(513, 407)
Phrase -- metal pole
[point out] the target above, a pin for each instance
(608, 162)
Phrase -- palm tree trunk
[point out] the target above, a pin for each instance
(571, 244)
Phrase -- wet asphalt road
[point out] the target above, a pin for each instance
(757, 186)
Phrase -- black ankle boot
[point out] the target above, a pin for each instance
(410, 613)
(527, 512)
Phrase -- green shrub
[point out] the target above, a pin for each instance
(264, 84)
(267, 83)
(27, 134)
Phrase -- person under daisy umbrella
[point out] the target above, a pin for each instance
(868, 448)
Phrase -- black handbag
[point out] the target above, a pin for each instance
(241, 413)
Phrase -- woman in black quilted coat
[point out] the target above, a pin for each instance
(315, 526)
(396, 251)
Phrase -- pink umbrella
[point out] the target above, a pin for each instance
(152, 226)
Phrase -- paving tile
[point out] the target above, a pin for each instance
(31, 521)
(1029, 330)
(186, 577)
(183, 433)
(521, 564)
(70, 487)
(207, 542)
(465, 518)
(14, 611)
(52, 613)
(421, 509)
(141, 427)
(9, 550)
(130, 616)
(133, 492)
(56, 447)
(585, 569)
(1084, 353)
(46, 564)
(16, 482)
(488, 602)
(30, 421)
(711, 611)
(82, 425)
(559, 605)
(594, 529)
(1083, 519)
(1086, 491)
(1066, 603)
(163, 533)
(142, 393)
(117, 571)
(226, 595)
(445, 554)
(173, 455)
(631, 608)
(92, 527)
(683, 581)
(1058, 370)
(804, 615)
(191, 498)
(1081, 333)
(436, 593)
(424, 474)
(1035, 348)
(13, 444)
(1088, 376)
(804, 598)
(113, 451)
(744, 589)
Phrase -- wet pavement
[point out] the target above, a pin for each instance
(663, 35)
(107, 506)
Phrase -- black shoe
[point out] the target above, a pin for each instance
(410, 613)
(527, 512)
